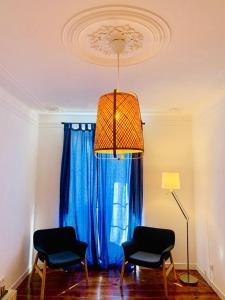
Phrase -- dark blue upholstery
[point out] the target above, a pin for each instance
(145, 259)
(149, 246)
(63, 258)
(59, 247)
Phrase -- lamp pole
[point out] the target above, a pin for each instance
(185, 278)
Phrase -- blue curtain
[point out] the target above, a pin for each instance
(113, 209)
(101, 199)
(65, 174)
(136, 194)
(82, 194)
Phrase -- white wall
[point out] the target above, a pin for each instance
(49, 165)
(168, 147)
(209, 193)
(18, 134)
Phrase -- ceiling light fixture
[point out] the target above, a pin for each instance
(118, 126)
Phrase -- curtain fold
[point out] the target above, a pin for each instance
(65, 174)
(82, 194)
(136, 194)
(113, 209)
(101, 199)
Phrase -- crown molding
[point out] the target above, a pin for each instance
(210, 109)
(54, 119)
(12, 105)
(177, 114)
(67, 113)
(169, 115)
(20, 92)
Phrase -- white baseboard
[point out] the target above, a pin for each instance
(183, 266)
(20, 279)
(211, 284)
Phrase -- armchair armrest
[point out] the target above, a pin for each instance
(166, 252)
(129, 248)
(79, 247)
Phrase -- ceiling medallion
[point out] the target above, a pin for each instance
(89, 34)
(101, 39)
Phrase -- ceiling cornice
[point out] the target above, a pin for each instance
(15, 88)
(19, 109)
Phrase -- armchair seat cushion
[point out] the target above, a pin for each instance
(145, 259)
(62, 259)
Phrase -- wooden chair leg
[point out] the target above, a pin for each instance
(135, 271)
(174, 271)
(33, 268)
(165, 278)
(122, 272)
(43, 281)
(86, 269)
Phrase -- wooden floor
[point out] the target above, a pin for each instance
(148, 284)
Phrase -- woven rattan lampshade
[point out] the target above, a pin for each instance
(118, 125)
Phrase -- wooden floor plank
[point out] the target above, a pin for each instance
(104, 285)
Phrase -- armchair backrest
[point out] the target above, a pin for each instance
(153, 240)
(54, 239)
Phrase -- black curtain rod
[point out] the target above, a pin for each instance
(143, 123)
(77, 123)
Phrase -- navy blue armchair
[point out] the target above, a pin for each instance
(57, 248)
(150, 247)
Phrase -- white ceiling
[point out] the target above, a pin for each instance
(40, 71)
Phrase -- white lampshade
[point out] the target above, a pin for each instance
(171, 181)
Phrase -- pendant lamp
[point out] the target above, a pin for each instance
(118, 126)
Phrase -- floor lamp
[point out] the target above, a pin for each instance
(171, 182)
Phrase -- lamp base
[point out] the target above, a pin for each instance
(188, 279)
